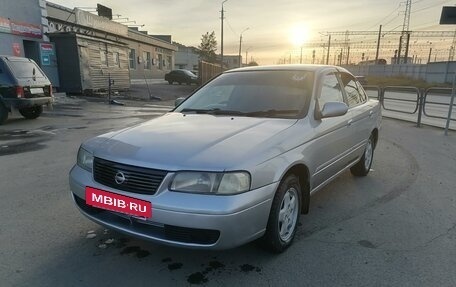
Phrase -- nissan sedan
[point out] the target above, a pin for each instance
(236, 161)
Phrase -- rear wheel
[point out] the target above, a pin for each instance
(284, 216)
(363, 166)
(32, 112)
(3, 114)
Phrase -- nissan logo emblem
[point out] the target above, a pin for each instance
(120, 177)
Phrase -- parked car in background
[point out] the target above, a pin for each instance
(236, 161)
(23, 86)
(181, 76)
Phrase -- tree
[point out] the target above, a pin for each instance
(208, 47)
(253, 63)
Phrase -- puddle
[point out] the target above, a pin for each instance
(19, 141)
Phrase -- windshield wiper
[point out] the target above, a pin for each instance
(214, 112)
(271, 113)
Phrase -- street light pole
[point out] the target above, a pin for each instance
(240, 46)
(221, 44)
(300, 59)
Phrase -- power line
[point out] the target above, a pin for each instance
(432, 6)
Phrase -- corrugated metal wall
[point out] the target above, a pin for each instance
(100, 60)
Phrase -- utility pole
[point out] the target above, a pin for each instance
(378, 43)
(329, 47)
(221, 44)
(240, 47)
(430, 54)
(405, 32)
(300, 58)
(348, 55)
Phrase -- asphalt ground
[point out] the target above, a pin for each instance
(395, 227)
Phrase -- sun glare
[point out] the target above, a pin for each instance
(299, 34)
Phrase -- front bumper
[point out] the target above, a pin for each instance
(184, 219)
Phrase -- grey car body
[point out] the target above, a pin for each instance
(308, 150)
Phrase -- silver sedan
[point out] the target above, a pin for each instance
(236, 161)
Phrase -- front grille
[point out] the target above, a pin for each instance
(137, 179)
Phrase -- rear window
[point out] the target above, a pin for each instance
(25, 69)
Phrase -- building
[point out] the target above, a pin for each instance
(93, 51)
(23, 28)
(231, 61)
(186, 58)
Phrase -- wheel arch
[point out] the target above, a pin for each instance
(302, 172)
(375, 135)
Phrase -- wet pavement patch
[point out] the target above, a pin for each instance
(246, 268)
(140, 253)
(166, 260)
(175, 266)
(122, 242)
(19, 141)
(366, 243)
(197, 278)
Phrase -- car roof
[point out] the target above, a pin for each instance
(14, 58)
(300, 67)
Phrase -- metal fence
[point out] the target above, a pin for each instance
(433, 106)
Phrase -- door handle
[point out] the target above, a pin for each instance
(371, 113)
(350, 121)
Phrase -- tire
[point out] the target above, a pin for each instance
(170, 82)
(180, 83)
(3, 114)
(286, 207)
(32, 112)
(362, 167)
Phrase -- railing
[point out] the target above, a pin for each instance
(433, 103)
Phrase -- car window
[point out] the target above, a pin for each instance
(25, 69)
(362, 92)
(254, 91)
(351, 89)
(330, 91)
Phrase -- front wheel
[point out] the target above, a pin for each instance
(362, 167)
(170, 82)
(284, 216)
(32, 112)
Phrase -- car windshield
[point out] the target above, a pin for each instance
(25, 69)
(283, 94)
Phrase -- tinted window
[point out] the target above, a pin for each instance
(255, 91)
(25, 69)
(330, 91)
(362, 92)
(351, 89)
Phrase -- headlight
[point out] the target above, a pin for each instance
(210, 182)
(85, 159)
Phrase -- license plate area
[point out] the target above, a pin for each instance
(118, 203)
(35, 91)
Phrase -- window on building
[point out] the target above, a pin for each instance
(132, 58)
(160, 61)
(147, 60)
(116, 59)
(170, 62)
(104, 55)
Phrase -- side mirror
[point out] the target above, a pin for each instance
(333, 109)
(178, 101)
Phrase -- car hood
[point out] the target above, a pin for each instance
(176, 141)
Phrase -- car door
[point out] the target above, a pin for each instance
(360, 113)
(331, 142)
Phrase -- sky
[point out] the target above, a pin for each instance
(275, 26)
